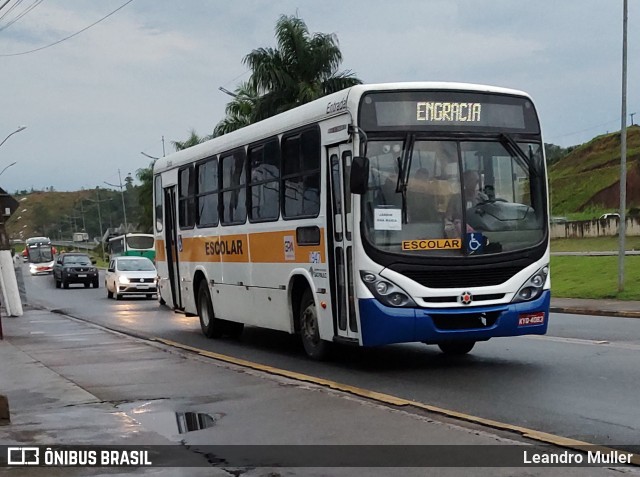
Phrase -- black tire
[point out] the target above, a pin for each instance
(57, 283)
(456, 348)
(315, 347)
(109, 294)
(65, 284)
(211, 326)
(118, 295)
(87, 285)
(96, 284)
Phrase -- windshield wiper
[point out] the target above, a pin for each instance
(404, 166)
(514, 148)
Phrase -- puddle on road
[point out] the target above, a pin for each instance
(171, 424)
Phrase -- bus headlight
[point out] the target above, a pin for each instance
(385, 291)
(532, 288)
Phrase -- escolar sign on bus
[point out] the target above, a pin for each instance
(434, 244)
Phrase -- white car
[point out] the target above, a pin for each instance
(131, 276)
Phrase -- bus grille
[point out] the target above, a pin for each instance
(467, 278)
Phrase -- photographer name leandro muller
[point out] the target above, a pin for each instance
(567, 457)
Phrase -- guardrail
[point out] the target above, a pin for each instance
(72, 244)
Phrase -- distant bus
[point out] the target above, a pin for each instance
(133, 244)
(39, 253)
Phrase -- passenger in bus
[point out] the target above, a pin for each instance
(471, 196)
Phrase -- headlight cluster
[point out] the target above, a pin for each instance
(532, 288)
(123, 280)
(386, 292)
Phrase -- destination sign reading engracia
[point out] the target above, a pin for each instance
(448, 112)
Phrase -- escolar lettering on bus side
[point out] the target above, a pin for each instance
(224, 247)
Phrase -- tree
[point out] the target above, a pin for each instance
(302, 68)
(554, 153)
(192, 140)
(239, 111)
(145, 198)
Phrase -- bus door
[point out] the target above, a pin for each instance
(341, 270)
(172, 244)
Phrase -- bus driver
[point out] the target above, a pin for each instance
(471, 196)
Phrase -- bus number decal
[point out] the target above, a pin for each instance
(224, 247)
(289, 248)
(434, 244)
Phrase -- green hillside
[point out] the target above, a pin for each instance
(59, 214)
(586, 181)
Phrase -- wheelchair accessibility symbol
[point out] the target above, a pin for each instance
(474, 242)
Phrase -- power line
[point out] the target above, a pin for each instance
(70, 36)
(18, 2)
(26, 10)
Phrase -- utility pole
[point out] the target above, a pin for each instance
(124, 207)
(632, 115)
(98, 201)
(622, 229)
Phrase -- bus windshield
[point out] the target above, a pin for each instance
(40, 254)
(454, 197)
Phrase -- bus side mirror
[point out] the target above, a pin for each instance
(359, 175)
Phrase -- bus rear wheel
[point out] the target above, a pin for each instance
(315, 347)
(456, 348)
(211, 326)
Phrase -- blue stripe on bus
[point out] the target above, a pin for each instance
(381, 324)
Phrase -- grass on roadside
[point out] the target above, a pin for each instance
(594, 244)
(594, 277)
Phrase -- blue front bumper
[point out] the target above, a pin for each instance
(385, 325)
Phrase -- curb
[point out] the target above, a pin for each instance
(587, 311)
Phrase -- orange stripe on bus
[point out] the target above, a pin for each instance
(259, 247)
(160, 251)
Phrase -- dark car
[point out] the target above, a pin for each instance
(75, 268)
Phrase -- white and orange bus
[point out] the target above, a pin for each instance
(388, 213)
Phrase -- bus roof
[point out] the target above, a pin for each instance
(341, 102)
(32, 240)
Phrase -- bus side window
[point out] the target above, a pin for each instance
(233, 193)
(207, 193)
(158, 202)
(264, 181)
(186, 204)
(301, 174)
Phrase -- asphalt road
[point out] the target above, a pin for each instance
(579, 381)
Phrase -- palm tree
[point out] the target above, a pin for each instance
(192, 140)
(239, 110)
(302, 68)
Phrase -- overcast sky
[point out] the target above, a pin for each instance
(94, 102)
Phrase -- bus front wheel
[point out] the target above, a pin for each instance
(211, 326)
(456, 348)
(315, 347)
